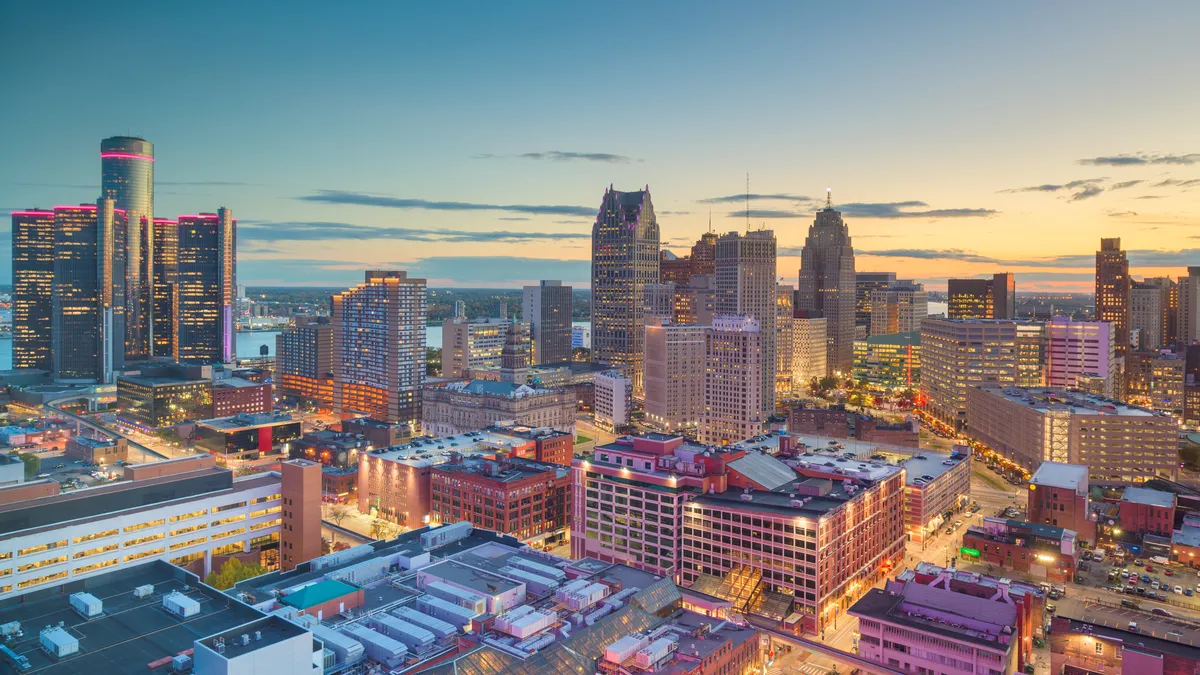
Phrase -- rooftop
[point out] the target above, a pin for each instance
(478, 579)
(1141, 495)
(930, 463)
(422, 452)
(318, 593)
(487, 387)
(247, 421)
(235, 383)
(1059, 475)
(1046, 399)
(912, 339)
(263, 633)
(1186, 536)
(1112, 623)
(779, 503)
(940, 611)
(507, 471)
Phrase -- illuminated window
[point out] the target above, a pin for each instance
(94, 536)
(144, 554)
(42, 547)
(142, 526)
(186, 516)
(96, 551)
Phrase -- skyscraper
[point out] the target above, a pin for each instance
(205, 287)
(827, 284)
(1112, 290)
(166, 269)
(33, 286)
(704, 253)
(379, 347)
(1076, 349)
(993, 298)
(1150, 312)
(1188, 327)
(864, 284)
(674, 374)
(304, 359)
(733, 374)
(784, 340)
(127, 178)
(898, 309)
(745, 285)
(547, 308)
(809, 347)
(87, 325)
(625, 245)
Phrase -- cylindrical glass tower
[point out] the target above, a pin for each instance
(127, 178)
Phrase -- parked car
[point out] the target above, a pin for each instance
(1179, 590)
(1161, 612)
(1132, 604)
(1187, 592)
(1168, 573)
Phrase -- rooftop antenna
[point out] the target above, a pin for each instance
(747, 201)
(829, 198)
(710, 219)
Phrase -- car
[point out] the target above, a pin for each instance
(949, 531)
(1169, 573)
(1132, 604)
(1161, 612)
(1154, 584)
(1145, 578)
(1141, 590)
(60, 466)
(1149, 568)
(1179, 590)
(957, 524)
(1138, 562)
(1124, 574)
(1188, 592)
(1050, 609)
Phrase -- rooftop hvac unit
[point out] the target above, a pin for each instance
(181, 663)
(346, 650)
(377, 645)
(446, 611)
(181, 605)
(472, 601)
(10, 629)
(57, 642)
(622, 650)
(414, 637)
(446, 534)
(538, 568)
(433, 625)
(87, 605)
(143, 591)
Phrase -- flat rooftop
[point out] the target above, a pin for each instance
(508, 471)
(244, 421)
(1045, 399)
(929, 463)
(1140, 495)
(481, 581)
(271, 630)
(424, 452)
(235, 383)
(1059, 475)
(1113, 623)
(779, 503)
(860, 449)
(132, 632)
(927, 609)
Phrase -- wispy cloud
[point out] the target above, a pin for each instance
(363, 199)
(1084, 188)
(1126, 184)
(673, 213)
(741, 199)
(765, 213)
(1176, 182)
(1141, 158)
(1140, 257)
(225, 183)
(1087, 193)
(1121, 214)
(909, 209)
(512, 218)
(322, 231)
(563, 156)
(1149, 197)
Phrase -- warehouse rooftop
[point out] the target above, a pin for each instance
(1045, 399)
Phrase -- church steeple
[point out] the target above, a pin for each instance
(514, 357)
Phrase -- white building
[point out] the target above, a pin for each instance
(674, 375)
(614, 400)
(734, 406)
(1079, 348)
(809, 349)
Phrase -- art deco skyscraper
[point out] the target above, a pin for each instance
(547, 308)
(33, 284)
(379, 348)
(745, 285)
(127, 178)
(1112, 290)
(205, 288)
(827, 284)
(625, 245)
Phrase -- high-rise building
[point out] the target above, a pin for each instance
(547, 308)
(889, 361)
(809, 347)
(734, 361)
(993, 298)
(704, 254)
(827, 284)
(1188, 330)
(205, 287)
(460, 309)
(695, 302)
(625, 245)
(1112, 290)
(674, 269)
(166, 274)
(477, 343)
(379, 347)
(614, 400)
(1149, 312)
(898, 309)
(1075, 349)
(88, 318)
(304, 359)
(957, 354)
(674, 379)
(32, 288)
(300, 499)
(127, 178)
(864, 284)
(746, 285)
(784, 340)
(658, 302)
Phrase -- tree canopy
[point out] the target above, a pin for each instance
(232, 572)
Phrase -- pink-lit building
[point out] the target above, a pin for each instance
(936, 620)
(1081, 348)
(1147, 511)
(1058, 496)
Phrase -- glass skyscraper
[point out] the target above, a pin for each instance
(33, 283)
(205, 287)
(166, 267)
(127, 178)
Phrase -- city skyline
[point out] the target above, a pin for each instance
(378, 153)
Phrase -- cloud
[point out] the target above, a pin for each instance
(741, 199)
(561, 156)
(203, 182)
(1122, 214)
(1087, 193)
(512, 218)
(1149, 197)
(903, 210)
(765, 213)
(363, 199)
(930, 254)
(1126, 184)
(1139, 257)
(321, 231)
(1141, 158)
(673, 213)
(500, 269)
(1175, 182)
(1087, 184)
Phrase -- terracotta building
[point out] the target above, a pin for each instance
(300, 527)
(524, 498)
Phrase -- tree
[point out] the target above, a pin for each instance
(33, 464)
(232, 572)
(326, 546)
(433, 362)
(382, 529)
(246, 470)
(338, 513)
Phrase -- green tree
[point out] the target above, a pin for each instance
(433, 362)
(33, 464)
(382, 529)
(232, 572)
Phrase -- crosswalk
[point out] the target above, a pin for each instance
(798, 668)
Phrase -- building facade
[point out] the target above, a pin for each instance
(1188, 330)
(127, 178)
(379, 347)
(993, 298)
(477, 343)
(734, 360)
(163, 285)
(1150, 312)
(674, 380)
(785, 339)
(206, 284)
(625, 246)
(809, 347)
(898, 309)
(864, 284)
(1031, 549)
(745, 285)
(889, 361)
(1058, 496)
(827, 284)
(614, 400)
(459, 407)
(528, 499)
(1112, 290)
(304, 359)
(1081, 348)
(547, 309)
(937, 486)
(32, 288)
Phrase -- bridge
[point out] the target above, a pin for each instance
(55, 406)
(853, 661)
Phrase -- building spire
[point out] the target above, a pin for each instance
(747, 201)
(710, 218)
(829, 198)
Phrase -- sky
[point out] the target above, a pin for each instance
(471, 143)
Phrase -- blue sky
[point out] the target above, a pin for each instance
(960, 137)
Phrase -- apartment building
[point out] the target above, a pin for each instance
(734, 359)
(614, 400)
(525, 498)
(937, 485)
(1077, 349)
(1030, 425)
(674, 380)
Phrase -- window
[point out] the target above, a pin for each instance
(1099, 648)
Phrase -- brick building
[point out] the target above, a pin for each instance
(1058, 496)
(525, 498)
(1040, 551)
(1146, 511)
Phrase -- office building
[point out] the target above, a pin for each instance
(695, 302)
(87, 327)
(1029, 549)
(547, 309)
(827, 284)
(160, 395)
(186, 511)
(1058, 496)
(1167, 379)
(937, 620)
(1075, 349)
(1120, 443)
(1150, 312)
(32, 288)
(232, 395)
(734, 360)
(527, 499)
(581, 337)
(379, 347)
(785, 338)
(97, 451)
(625, 245)
(1188, 330)
(658, 302)
(937, 485)
(163, 283)
(1112, 290)
(473, 344)
(898, 309)
(674, 379)
(304, 360)
(809, 347)
(614, 400)
(300, 512)
(993, 298)
(1092, 638)
(127, 178)
(458, 407)
(673, 269)
(745, 285)
(1146, 511)
(957, 354)
(205, 285)
(247, 436)
(864, 284)
(704, 254)
(889, 361)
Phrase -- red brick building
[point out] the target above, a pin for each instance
(234, 395)
(546, 444)
(1147, 511)
(1041, 551)
(836, 422)
(869, 429)
(829, 422)
(527, 499)
(1058, 496)
(300, 531)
